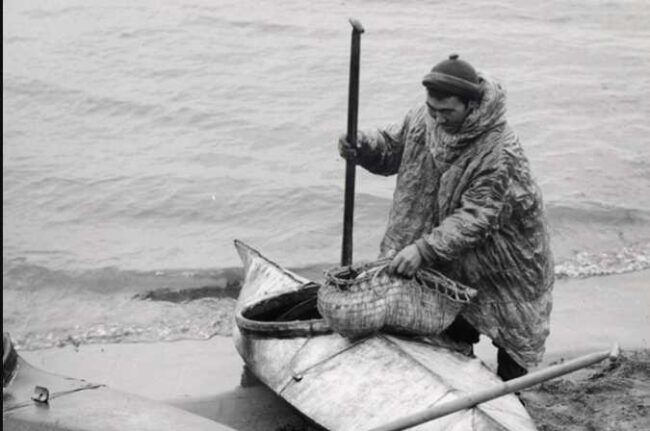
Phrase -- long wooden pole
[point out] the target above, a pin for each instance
(497, 391)
(350, 171)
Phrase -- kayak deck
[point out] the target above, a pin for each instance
(33, 399)
(345, 384)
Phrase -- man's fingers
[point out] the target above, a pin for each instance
(349, 154)
(392, 267)
(403, 267)
(346, 151)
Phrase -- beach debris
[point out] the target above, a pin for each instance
(584, 264)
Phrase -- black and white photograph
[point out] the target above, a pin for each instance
(349, 215)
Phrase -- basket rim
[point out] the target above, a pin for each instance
(427, 277)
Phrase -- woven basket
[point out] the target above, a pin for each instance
(363, 299)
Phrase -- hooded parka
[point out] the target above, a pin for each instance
(468, 202)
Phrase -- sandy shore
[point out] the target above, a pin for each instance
(612, 395)
(588, 315)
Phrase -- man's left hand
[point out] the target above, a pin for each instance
(406, 262)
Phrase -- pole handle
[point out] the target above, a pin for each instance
(356, 26)
(350, 167)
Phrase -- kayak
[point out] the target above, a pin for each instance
(354, 384)
(33, 399)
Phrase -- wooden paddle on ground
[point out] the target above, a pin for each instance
(504, 388)
(353, 109)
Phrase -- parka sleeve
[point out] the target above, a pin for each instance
(382, 150)
(481, 204)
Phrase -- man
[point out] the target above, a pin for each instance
(465, 204)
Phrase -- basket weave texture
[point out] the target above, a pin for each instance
(364, 299)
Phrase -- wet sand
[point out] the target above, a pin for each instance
(589, 315)
(612, 395)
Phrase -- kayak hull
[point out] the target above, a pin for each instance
(36, 400)
(344, 384)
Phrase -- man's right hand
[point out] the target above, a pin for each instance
(349, 151)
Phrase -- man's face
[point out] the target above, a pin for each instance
(449, 112)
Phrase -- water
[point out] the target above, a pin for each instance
(140, 139)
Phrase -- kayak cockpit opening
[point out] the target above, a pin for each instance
(298, 305)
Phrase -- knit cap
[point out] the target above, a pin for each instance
(454, 76)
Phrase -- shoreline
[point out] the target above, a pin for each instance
(588, 315)
(203, 376)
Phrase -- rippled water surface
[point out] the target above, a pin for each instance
(141, 138)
